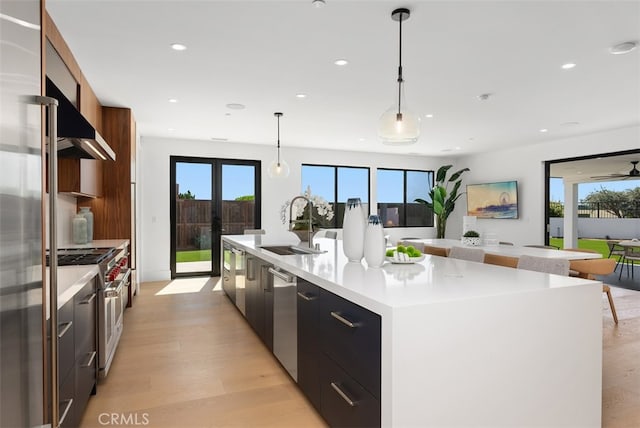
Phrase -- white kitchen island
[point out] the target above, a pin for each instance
(469, 344)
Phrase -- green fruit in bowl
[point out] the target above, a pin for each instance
(389, 253)
(401, 249)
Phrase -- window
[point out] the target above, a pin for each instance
(397, 191)
(336, 184)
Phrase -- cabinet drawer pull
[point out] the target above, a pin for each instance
(305, 297)
(343, 320)
(65, 329)
(343, 394)
(91, 358)
(66, 410)
(89, 300)
(283, 276)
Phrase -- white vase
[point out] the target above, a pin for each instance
(79, 227)
(374, 242)
(88, 215)
(353, 227)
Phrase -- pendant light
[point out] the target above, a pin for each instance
(398, 125)
(278, 168)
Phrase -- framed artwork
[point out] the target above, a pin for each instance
(493, 200)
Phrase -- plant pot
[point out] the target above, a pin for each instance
(471, 241)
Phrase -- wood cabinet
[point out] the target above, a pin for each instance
(77, 354)
(114, 212)
(80, 177)
(339, 356)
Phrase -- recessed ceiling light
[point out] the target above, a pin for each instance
(173, 100)
(568, 66)
(219, 139)
(458, 148)
(178, 47)
(301, 95)
(171, 129)
(341, 62)
(361, 139)
(544, 130)
(446, 150)
(227, 114)
(484, 97)
(235, 106)
(429, 116)
(623, 48)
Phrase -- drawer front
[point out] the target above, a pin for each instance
(66, 346)
(86, 375)
(85, 320)
(67, 401)
(351, 337)
(345, 402)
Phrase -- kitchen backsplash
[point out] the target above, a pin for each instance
(66, 211)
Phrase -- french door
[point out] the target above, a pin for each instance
(210, 197)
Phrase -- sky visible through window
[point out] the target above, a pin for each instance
(556, 188)
(196, 177)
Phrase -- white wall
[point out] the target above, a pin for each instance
(154, 188)
(526, 165)
(614, 228)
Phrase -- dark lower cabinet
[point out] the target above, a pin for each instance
(339, 357)
(259, 299)
(308, 312)
(345, 403)
(77, 355)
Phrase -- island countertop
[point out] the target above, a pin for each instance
(433, 280)
(468, 344)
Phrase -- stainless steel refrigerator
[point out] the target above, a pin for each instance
(26, 373)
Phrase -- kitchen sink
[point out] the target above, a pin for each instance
(288, 250)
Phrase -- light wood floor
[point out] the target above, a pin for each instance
(190, 360)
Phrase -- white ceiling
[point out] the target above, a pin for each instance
(262, 53)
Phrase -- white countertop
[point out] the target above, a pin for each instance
(101, 243)
(71, 279)
(510, 250)
(433, 280)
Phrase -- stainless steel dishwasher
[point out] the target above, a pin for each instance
(285, 331)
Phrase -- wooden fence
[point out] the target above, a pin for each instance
(194, 221)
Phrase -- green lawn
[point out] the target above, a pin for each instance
(599, 245)
(193, 256)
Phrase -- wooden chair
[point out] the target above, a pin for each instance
(469, 254)
(589, 268)
(615, 250)
(435, 251)
(543, 264)
(494, 259)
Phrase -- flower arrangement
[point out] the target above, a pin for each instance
(322, 212)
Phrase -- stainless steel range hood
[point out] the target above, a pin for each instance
(76, 137)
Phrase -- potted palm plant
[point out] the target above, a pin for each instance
(442, 200)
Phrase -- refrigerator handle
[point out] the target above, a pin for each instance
(52, 118)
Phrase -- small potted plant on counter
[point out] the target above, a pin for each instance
(471, 238)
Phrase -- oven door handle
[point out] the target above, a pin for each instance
(112, 292)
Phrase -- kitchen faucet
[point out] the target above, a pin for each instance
(292, 222)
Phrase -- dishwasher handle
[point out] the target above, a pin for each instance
(283, 276)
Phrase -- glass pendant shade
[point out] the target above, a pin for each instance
(398, 129)
(278, 169)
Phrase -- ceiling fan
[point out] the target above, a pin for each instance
(634, 173)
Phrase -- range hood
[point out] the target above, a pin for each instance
(76, 137)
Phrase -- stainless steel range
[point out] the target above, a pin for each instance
(112, 281)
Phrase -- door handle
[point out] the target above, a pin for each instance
(343, 394)
(305, 297)
(343, 320)
(65, 329)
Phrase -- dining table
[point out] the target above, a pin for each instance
(506, 250)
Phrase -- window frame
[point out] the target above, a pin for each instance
(403, 220)
(337, 222)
